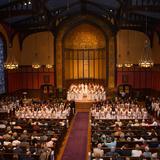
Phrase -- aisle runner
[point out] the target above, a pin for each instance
(77, 142)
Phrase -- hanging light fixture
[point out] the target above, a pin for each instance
(119, 65)
(11, 62)
(49, 65)
(128, 63)
(35, 64)
(146, 60)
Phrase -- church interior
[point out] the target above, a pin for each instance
(79, 79)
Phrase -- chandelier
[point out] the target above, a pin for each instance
(35, 64)
(146, 60)
(49, 65)
(119, 65)
(128, 63)
(10, 64)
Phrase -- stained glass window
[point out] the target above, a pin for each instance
(2, 74)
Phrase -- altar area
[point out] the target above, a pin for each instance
(86, 92)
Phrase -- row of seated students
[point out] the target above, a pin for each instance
(45, 111)
(32, 109)
(125, 138)
(119, 109)
(33, 137)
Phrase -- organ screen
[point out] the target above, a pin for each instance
(85, 63)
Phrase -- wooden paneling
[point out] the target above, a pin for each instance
(27, 78)
(140, 78)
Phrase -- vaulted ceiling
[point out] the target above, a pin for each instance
(32, 15)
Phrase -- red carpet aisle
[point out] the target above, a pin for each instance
(77, 142)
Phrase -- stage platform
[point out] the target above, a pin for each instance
(83, 106)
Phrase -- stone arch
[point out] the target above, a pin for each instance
(110, 45)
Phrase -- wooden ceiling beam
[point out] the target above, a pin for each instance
(12, 14)
(148, 8)
(10, 4)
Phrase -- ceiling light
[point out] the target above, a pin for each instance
(119, 65)
(11, 62)
(146, 60)
(29, 2)
(128, 62)
(36, 63)
(49, 64)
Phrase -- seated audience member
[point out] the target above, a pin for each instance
(119, 133)
(136, 152)
(2, 126)
(98, 151)
(49, 144)
(144, 123)
(147, 153)
(138, 139)
(118, 122)
(154, 123)
(24, 136)
(155, 156)
(122, 138)
(124, 151)
(97, 157)
(112, 152)
(18, 151)
(130, 124)
(95, 137)
(136, 124)
(9, 151)
(16, 142)
(111, 144)
(28, 156)
(45, 153)
(103, 138)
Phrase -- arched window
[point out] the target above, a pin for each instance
(2, 74)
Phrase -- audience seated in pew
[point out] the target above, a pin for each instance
(132, 136)
(32, 137)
